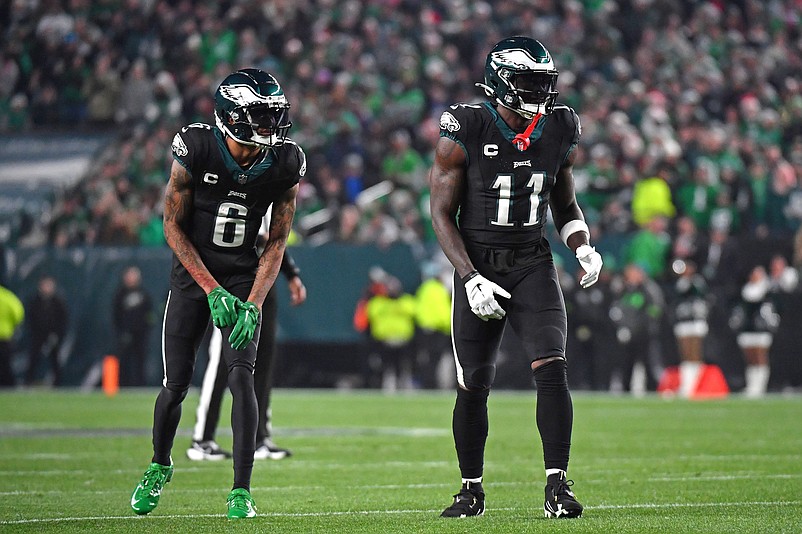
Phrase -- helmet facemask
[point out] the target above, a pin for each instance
(258, 125)
(534, 91)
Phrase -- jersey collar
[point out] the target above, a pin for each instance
(242, 176)
(506, 131)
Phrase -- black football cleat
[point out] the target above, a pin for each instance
(560, 500)
(269, 450)
(207, 450)
(470, 501)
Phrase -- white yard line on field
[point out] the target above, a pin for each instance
(628, 506)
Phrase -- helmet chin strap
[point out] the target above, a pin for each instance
(521, 140)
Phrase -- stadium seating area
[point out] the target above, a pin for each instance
(704, 95)
(691, 113)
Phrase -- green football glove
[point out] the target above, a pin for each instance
(224, 307)
(247, 318)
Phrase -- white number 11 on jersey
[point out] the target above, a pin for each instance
(503, 184)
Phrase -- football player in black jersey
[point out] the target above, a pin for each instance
(222, 181)
(498, 165)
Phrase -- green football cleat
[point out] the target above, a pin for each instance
(240, 504)
(147, 493)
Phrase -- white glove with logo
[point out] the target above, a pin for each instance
(591, 262)
(481, 297)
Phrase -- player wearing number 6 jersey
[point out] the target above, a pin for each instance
(222, 181)
(498, 166)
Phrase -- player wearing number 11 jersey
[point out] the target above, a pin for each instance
(498, 166)
(222, 181)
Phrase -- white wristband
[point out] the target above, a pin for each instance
(572, 227)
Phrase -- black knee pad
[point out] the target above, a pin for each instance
(549, 340)
(480, 378)
(240, 377)
(552, 377)
(175, 394)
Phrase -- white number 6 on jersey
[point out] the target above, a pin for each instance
(230, 224)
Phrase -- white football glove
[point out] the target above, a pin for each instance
(481, 297)
(591, 262)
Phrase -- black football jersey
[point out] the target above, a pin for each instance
(229, 202)
(507, 190)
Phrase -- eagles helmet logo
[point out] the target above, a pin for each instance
(243, 95)
(449, 122)
(519, 59)
(178, 146)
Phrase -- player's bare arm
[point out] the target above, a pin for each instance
(177, 209)
(270, 260)
(446, 179)
(564, 207)
(571, 224)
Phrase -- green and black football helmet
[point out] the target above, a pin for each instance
(251, 107)
(520, 75)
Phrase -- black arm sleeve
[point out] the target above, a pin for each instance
(288, 266)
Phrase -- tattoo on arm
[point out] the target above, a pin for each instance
(270, 260)
(178, 201)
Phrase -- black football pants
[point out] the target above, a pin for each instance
(185, 322)
(215, 379)
(536, 313)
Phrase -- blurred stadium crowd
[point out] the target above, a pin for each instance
(691, 154)
(700, 96)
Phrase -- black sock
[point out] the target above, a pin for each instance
(469, 425)
(166, 416)
(243, 424)
(555, 413)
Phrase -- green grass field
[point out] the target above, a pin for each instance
(366, 462)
